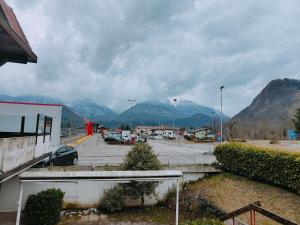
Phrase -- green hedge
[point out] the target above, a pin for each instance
(272, 166)
(43, 208)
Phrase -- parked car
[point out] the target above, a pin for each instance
(64, 155)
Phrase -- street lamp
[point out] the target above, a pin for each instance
(159, 122)
(132, 101)
(221, 89)
(212, 122)
(174, 100)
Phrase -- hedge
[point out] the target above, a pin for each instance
(277, 167)
(43, 208)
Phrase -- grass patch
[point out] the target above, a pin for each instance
(231, 192)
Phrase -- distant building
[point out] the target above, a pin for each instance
(292, 134)
(14, 46)
(201, 134)
(145, 130)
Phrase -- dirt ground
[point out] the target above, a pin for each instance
(143, 216)
(231, 192)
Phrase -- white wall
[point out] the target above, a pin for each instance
(19, 150)
(82, 193)
(53, 111)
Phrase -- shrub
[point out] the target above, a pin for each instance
(206, 208)
(263, 164)
(113, 199)
(187, 203)
(274, 142)
(141, 157)
(204, 221)
(238, 140)
(44, 208)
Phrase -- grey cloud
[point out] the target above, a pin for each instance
(113, 50)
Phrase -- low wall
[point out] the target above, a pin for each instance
(81, 194)
(17, 151)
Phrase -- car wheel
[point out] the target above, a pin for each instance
(75, 161)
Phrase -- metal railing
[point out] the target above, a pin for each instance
(253, 209)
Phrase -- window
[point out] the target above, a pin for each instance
(30, 124)
(10, 124)
(61, 150)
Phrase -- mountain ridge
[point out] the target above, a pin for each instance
(270, 113)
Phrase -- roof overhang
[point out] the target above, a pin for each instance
(51, 176)
(14, 46)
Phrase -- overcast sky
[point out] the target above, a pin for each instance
(110, 51)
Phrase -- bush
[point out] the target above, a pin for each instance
(206, 208)
(187, 203)
(204, 221)
(113, 200)
(263, 164)
(44, 208)
(274, 142)
(238, 140)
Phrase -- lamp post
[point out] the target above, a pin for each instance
(159, 122)
(221, 89)
(212, 127)
(132, 101)
(175, 101)
(212, 122)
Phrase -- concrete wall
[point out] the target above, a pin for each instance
(53, 111)
(20, 150)
(80, 194)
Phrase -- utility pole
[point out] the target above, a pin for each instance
(212, 127)
(132, 101)
(175, 101)
(221, 88)
(159, 122)
(212, 122)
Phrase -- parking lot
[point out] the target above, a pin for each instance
(96, 152)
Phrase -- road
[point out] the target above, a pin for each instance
(99, 153)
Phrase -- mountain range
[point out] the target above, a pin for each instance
(185, 113)
(268, 116)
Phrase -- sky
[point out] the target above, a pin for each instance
(113, 50)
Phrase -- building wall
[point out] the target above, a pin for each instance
(54, 111)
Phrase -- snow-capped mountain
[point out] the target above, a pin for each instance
(91, 110)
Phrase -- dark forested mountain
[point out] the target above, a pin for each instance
(271, 112)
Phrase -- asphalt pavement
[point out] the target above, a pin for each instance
(96, 152)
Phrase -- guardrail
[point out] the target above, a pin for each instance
(253, 209)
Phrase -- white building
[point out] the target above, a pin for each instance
(28, 134)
